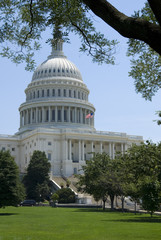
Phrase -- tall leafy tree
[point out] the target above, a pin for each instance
(99, 178)
(11, 189)
(143, 163)
(151, 196)
(37, 178)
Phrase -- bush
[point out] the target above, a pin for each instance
(66, 195)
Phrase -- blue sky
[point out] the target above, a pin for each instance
(112, 91)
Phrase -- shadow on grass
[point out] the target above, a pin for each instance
(98, 210)
(137, 220)
(8, 214)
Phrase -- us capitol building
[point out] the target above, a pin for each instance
(57, 118)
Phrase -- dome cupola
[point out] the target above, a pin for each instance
(57, 65)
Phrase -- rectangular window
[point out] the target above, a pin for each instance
(13, 149)
(42, 93)
(59, 115)
(59, 93)
(49, 156)
(65, 115)
(75, 171)
(48, 92)
(49, 143)
(53, 92)
(70, 93)
(47, 115)
(53, 115)
(64, 92)
(74, 94)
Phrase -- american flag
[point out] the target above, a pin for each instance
(90, 115)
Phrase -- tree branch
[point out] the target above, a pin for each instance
(31, 25)
(156, 8)
(129, 27)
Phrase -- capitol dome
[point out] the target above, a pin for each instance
(57, 96)
(57, 65)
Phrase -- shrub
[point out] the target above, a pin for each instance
(66, 195)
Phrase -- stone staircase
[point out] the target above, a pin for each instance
(58, 181)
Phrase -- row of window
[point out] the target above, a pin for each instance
(57, 93)
(50, 72)
(5, 149)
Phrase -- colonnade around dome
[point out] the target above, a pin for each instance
(55, 114)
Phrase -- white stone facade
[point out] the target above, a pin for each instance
(53, 119)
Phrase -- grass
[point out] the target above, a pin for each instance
(46, 223)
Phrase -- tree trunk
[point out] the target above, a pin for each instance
(116, 203)
(122, 202)
(104, 201)
(112, 201)
(135, 207)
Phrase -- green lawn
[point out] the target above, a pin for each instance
(46, 223)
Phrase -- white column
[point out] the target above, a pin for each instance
(62, 114)
(70, 149)
(110, 150)
(100, 147)
(82, 150)
(36, 117)
(91, 146)
(66, 150)
(31, 115)
(79, 150)
(81, 115)
(126, 147)
(122, 148)
(85, 116)
(75, 115)
(113, 150)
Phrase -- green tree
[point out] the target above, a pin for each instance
(151, 190)
(11, 189)
(99, 178)
(143, 162)
(37, 178)
(66, 195)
